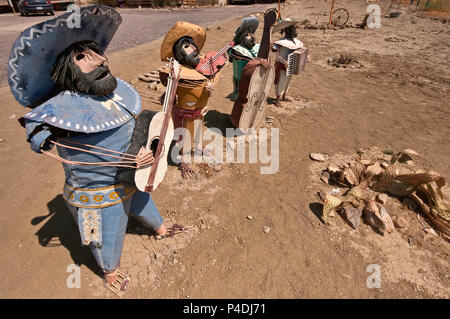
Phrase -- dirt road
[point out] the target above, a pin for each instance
(397, 100)
(138, 26)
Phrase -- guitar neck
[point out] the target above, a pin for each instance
(218, 55)
(269, 19)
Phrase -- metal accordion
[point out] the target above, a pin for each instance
(297, 61)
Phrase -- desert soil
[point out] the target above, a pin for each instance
(398, 99)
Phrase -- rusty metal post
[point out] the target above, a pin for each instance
(331, 12)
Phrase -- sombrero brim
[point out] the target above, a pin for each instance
(179, 30)
(283, 24)
(37, 48)
(249, 24)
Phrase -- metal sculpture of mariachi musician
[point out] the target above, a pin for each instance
(79, 106)
(256, 81)
(244, 50)
(199, 75)
(291, 59)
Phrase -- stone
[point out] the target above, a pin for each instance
(366, 162)
(400, 222)
(158, 256)
(353, 215)
(250, 217)
(317, 157)
(217, 167)
(266, 229)
(325, 177)
(431, 231)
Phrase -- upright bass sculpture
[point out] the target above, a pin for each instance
(256, 80)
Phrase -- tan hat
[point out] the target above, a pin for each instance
(284, 24)
(179, 30)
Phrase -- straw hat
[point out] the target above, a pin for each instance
(284, 24)
(179, 30)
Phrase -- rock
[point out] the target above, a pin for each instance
(321, 195)
(2, 140)
(325, 177)
(266, 229)
(317, 157)
(377, 216)
(12, 116)
(431, 231)
(250, 217)
(322, 27)
(219, 27)
(332, 168)
(158, 256)
(353, 215)
(382, 198)
(384, 165)
(400, 222)
(366, 162)
(217, 167)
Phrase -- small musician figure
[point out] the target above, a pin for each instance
(184, 42)
(285, 46)
(244, 50)
(78, 105)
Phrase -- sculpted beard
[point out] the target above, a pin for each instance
(248, 43)
(69, 76)
(186, 59)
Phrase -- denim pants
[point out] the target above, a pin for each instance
(114, 224)
(98, 202)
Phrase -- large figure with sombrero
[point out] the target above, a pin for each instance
(244, 50)
(184, 42)
(291, 58)
(60, 72)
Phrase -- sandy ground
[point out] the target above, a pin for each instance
(397, 100)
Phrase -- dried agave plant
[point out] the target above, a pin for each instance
(397, 177)
(344, 59)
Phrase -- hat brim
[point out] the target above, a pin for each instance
(283, 24)
(249, 24)
(36, 49)
(179, 30)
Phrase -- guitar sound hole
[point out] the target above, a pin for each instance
(154, 147)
